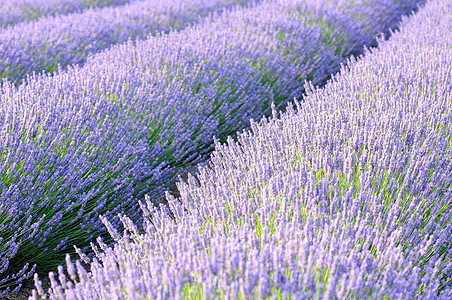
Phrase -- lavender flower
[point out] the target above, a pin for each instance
(68, 39)
(93, 140)
(344, 196)
(16, 11)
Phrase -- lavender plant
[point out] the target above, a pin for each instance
(16, 11)
(348, 196)
(66, 40)
(93, 140)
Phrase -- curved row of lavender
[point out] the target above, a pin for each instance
(346, 197)
(95, 139)
(69, 39)
(16, 11)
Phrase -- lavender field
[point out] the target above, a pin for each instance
(226, 149)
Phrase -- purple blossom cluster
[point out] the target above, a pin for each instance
(16, 11)
(63, 40)
(94, 139)
(346, 196)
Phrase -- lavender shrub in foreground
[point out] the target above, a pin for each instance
(346, 197)
(66, 40)
(95, 139)
(16, 11)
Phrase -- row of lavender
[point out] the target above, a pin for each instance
(12, 237)
(65, 40)
(16, 11)
(95, 139)
(348, 196)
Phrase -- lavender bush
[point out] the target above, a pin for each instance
(16, 11)
(348, 196)
(64, 40)
(94, 139)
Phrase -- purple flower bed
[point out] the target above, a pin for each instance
(346, 196)
(95, 139)
(69, 39)
(16, 11)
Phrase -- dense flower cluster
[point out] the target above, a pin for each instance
(96, 138)
(16, 11)
(348, 196)
(68, 39)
